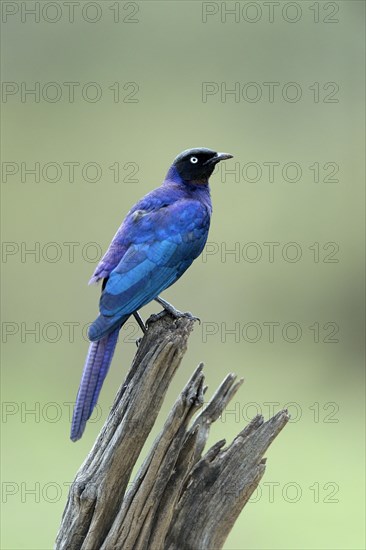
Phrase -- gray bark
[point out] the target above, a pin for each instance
(180, 498)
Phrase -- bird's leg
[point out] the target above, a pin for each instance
(140, 324)
(174, 312)
(139, 321)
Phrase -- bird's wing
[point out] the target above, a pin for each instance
(165, 243)
(126, 234)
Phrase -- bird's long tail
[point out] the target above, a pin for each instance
(95, 370)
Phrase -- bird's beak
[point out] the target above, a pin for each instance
(218, 158)
(223, 156)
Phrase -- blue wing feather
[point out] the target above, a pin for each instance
(164, 244)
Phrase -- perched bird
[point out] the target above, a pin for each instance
(158, 240)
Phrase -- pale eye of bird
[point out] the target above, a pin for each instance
(194, 160)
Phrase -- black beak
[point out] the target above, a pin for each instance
(218, 158)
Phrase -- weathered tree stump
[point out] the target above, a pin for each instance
(180, 498)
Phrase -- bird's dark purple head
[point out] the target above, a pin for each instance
(196, 165)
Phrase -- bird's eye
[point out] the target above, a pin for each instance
(194, 160)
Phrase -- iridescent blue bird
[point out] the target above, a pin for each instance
(156, 243)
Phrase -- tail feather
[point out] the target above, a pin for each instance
(95, 370)
(105, 325)
(110, 345)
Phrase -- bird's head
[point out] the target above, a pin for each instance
(196, 165)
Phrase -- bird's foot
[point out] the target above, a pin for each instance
(155, 317)
(179, 314)
(138, 341)
(176, 315)
(168, 308)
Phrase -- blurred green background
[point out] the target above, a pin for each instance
(312, 494)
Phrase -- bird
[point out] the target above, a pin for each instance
(156, 243)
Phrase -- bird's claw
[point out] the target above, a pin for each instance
(179, 314)
(138, 341)
(155, 317)
(187, 315)
(173, 313)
